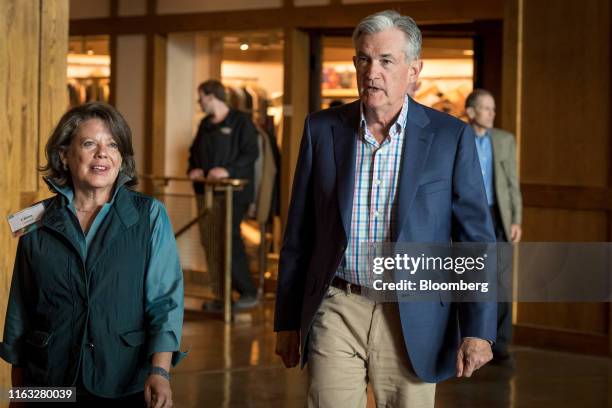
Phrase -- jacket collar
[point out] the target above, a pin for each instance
(67, 192)
(58, 219)
(418, 137)
(344, 139)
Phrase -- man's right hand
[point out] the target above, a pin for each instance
(196, 174)
(288, 347)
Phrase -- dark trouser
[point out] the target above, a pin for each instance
(504, 309)
(212, 233)
(241, 277)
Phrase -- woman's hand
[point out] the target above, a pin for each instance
(157, 392)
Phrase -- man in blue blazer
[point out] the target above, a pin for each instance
(381, 169)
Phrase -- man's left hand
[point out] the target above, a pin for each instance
(472, 354)
(217, 173)
(515, 233)
(157, 392)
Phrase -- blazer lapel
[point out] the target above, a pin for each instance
(418, 138)
(497, 156)
(344, 138)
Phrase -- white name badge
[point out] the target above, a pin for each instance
(23, 221)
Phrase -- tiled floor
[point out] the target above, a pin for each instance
(235, 366)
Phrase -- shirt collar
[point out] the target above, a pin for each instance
(486, 134)
(67, 191)
(399, 125)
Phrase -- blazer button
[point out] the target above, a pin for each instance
(91, 346)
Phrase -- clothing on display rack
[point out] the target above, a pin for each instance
(246, 95)
(266, 177)
(88, 89)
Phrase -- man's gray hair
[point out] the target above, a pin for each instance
(472, 100)
(383, 20)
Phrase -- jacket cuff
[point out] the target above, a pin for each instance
(491, 342)
(517, 217)
(11, 353)
(166, 342)
(480, 322)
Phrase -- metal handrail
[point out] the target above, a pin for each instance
(228, 186)
(224, 182)
(218, 185)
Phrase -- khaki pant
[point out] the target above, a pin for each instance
(354, 341)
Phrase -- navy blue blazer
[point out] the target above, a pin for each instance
(441, 197)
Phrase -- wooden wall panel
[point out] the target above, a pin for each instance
(558, 82)
(295, 107)
(198, 6)
(560, 339)
(158, 118)
(132, 7)
(84, 9)
(53, 62)
(20, 24)
(186, 60)
(579, 317)
(566, 101)
(567, 197)
(32, 96)
(550, 225)
(23, 48)
(130, 81)
(511, 58)
(488, 62)
(332, 16)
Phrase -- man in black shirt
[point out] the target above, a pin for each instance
(225, 146)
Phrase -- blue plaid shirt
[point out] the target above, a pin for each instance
(374, 198)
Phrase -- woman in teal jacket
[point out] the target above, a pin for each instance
(96, 299)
